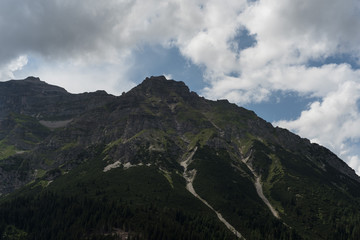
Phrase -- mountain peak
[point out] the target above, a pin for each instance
(32, 79)
(163, 147)
(156, 78)
(34, 97)
(161, 82)
(163, 88)
(30, 86)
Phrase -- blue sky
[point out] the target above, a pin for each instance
(294, 62)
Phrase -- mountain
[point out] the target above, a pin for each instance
(161, 162)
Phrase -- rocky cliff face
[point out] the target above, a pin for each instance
(158, 116)
(33, 97)
(46, 132)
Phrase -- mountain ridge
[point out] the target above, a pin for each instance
(28, 96)
(147, 133)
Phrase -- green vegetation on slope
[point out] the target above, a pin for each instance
(234, 195)
(88, 203)
(305, 194)
(50, 216)
(146, 132)
(6, 150)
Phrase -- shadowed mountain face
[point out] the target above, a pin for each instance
(38, 99)
(160, 162)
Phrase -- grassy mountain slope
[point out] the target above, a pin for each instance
(115, 170)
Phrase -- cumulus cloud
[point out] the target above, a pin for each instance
(97, 32)
(7, 71)
(295, 33)
(353, 162)
(290, 36)
(80, 77)
(78, 43)
(298, 30)
(333, 121)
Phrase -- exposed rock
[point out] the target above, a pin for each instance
(158, 119)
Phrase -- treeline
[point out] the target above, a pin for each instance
(52, 217)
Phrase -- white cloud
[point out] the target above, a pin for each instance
(210, 46)
(7, 71)
(289, 35)
(298, 30)
(98, 32)
(85, 46)
(78, 77)
(168, 76)
(334, 122)
(353, 162)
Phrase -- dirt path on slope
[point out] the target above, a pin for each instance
(259, 190)
(189, 177)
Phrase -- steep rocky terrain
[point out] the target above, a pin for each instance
(42, 101)
(162, 153)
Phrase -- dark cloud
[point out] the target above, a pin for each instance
(246, 49)
(55, 28)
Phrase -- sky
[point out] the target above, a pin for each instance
(294, 62)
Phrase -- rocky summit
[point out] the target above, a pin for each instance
(161, 162)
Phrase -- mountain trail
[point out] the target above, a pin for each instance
(259, 189)
(189, 177)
